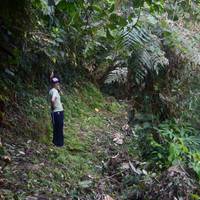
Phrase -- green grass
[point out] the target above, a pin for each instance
(64, 168)
(82, 119)
(113, 107)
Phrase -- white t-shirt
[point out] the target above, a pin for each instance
(54, 94)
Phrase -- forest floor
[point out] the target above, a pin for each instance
(101, 158)
(91, 167)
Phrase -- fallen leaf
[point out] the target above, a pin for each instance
(21, 152)
(125, 166)
(90, 176)
(118, 138)
(144, 172)
(107, 197)
(96, 109)
(125, 127)
(115, 156)
(137, 171)
(85, 184)
(6, 159)
(29, 141)
(118, 135)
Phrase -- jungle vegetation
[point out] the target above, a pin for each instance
(130, 72)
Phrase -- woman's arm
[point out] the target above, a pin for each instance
(53, 100)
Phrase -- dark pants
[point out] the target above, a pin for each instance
(58, 121)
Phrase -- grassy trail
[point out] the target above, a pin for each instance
(89, 166)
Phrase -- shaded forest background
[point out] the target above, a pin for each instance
(142, 53)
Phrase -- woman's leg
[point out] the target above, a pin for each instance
(54, 127)
(58, 139)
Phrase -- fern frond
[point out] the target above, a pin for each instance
(118, 75)
(146, 54)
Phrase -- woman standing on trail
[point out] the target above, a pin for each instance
(57, 112)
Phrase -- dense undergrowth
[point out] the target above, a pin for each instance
(153, 161)
(144, 52)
